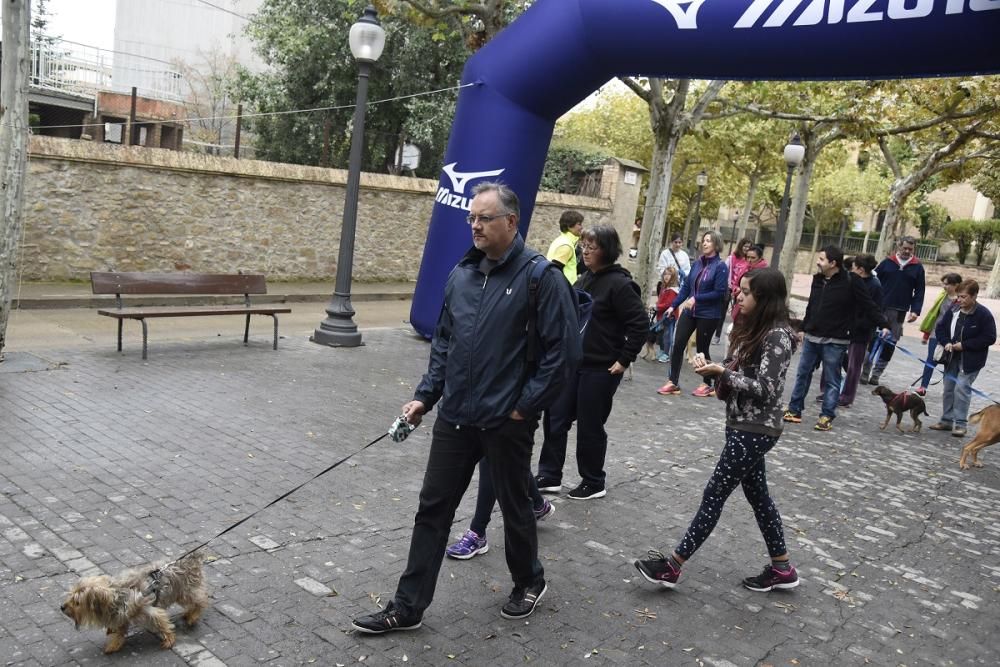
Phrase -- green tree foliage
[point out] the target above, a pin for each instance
(962, 232)
(987, 181)
(568, 165)
(304, 42)
(985, 233)
(932, 218)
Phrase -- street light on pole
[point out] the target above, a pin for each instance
(843, 225)
(702, 180)
(794, 152)
(732, 237)
(367, 39)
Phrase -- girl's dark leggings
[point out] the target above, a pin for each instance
(704, 329)
(741, 463)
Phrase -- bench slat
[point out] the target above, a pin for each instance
(177, 283)
(191, 311)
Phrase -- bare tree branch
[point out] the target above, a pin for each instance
(634, 86)
(890, 159)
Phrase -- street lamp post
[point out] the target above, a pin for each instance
(702, 180)
(843, 225)
(794, 152)
(732, 237)
(367, 39)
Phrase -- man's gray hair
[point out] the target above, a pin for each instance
(507, 197)
(907, 239)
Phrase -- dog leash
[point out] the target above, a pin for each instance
(398, 432)
(882, 340)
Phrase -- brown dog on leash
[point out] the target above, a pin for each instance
(897, 404)
(989, 434)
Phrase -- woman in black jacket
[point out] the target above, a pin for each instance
(612, 340)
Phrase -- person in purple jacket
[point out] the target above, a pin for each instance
(699, 305)
(966, 335)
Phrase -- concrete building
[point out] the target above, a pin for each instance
(964, 202)
(177, 33)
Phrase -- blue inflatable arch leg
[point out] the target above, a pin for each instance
(560, 51)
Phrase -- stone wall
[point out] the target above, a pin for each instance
(97, 207)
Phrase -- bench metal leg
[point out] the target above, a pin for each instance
(120, 323)
(275, 318)
(246, 332)
(145, 337)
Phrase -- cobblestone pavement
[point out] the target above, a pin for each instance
(109, 462)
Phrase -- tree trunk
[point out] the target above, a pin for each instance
(796, 216)
(900, 192)
(748, 205)
(13, 145)
(651, 237)
(993, 286)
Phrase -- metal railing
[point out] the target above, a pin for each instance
(85, 70)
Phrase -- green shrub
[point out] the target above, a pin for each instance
(568, 164)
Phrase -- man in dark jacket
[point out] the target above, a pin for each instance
(838, 299)
(863, 331)
(489, 399)
(966, 335)
(903, 282)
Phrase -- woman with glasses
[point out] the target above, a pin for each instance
(613, 338)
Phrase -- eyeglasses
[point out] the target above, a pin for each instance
(483, 219)
(584, 247)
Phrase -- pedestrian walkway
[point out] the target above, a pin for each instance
(109, 462)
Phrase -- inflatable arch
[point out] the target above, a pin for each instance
(560, 51)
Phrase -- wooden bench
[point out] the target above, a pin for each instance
(134, 283)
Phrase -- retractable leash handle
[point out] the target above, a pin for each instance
(401, 429)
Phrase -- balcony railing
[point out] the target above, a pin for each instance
(78, 69)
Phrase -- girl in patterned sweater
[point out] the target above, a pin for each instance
(751, 382)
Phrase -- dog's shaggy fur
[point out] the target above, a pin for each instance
(131, 597)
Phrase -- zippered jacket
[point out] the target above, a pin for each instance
(978, 332)
(837, 304)
(708, 282)
(618, 321)
(902, 288)
(478, 372)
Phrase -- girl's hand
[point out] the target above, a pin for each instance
(616, 369)
(710, 370)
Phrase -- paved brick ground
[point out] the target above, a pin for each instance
(108, 462)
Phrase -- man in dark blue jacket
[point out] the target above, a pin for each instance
(903, 281)
(966, 335)
(489, 398)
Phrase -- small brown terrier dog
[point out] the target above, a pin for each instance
(989, 433)
(897, 404)
(136, 597)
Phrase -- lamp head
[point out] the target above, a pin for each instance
(794, 151)
(367, 37)
(701, 179)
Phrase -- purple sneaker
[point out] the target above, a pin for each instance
(545, 511)
(657, 569)
(470, 545)
(771, 578)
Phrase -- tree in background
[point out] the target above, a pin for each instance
(476, 21)
(210, 108)
(304, 42)
(14, 68)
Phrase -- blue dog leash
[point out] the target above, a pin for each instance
(880, 342)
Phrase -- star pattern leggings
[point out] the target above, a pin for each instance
(742, 462)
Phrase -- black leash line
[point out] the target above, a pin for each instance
(275, 501)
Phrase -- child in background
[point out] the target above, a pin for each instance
(666, 291)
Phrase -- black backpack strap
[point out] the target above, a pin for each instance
(539, 264)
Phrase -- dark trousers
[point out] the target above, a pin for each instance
(741, 464)
(486, 497)
(589, 403)
(896, 319)
(703, 329)
(856, 354)
(455, 451)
